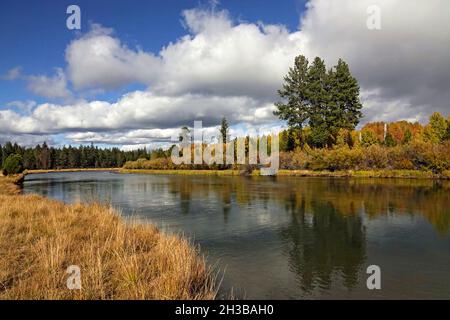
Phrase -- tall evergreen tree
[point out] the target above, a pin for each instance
(295, 105)
(328, 101)
(345, 96)
(224, 127)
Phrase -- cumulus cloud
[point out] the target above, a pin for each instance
(139, 109)
(99, 60)
(138, 137)
(49, 87)
(217, 57)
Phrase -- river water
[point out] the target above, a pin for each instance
(289, 237)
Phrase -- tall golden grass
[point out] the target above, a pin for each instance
(40, 238)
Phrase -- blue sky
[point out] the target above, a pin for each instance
(36, 31)
(139, 70)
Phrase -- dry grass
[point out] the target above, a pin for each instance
(8, 185)
(380, 173)
(40, 238)
(187, 172)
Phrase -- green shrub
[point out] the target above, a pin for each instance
(368, 138)
(13, 164)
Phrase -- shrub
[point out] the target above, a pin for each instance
(375, 157)
(435, 157)
(13, 164)
(159, 163)
(398, 159)
(368, 138)
(297, 159)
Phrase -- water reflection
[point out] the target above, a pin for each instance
(323, 244)
(290, 237)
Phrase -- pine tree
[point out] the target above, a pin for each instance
(389, 140)
(344, 105)
(295, 108)
(224, 130)
(328, 101)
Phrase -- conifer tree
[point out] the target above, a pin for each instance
(327, 101)
(295, 105)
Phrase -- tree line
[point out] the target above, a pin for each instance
(83, 156)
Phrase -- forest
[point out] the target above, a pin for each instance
(84, 156)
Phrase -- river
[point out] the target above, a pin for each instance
(289, 237)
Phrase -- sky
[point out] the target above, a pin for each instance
(137, 71)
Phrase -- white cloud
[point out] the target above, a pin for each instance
(98, 60)
(139, 109)
(138, 137)
(218, 57)
(49, 87)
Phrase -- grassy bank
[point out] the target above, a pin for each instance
(383, 173)
(407, 174)
(188, 172)
(40, 238)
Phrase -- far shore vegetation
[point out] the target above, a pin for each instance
(119, 259)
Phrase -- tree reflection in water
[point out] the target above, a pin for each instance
(322, 244)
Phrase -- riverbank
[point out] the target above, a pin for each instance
(118, 259)
(406, 174)
(188, 172)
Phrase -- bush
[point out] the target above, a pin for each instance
(13, 164)
(375, 157)
(336, 159)
(435, 157)
(155, 164)
(297, 159)
(398, 158)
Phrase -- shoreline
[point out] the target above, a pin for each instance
(382, 173)
(375, 173)
(40, 238)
